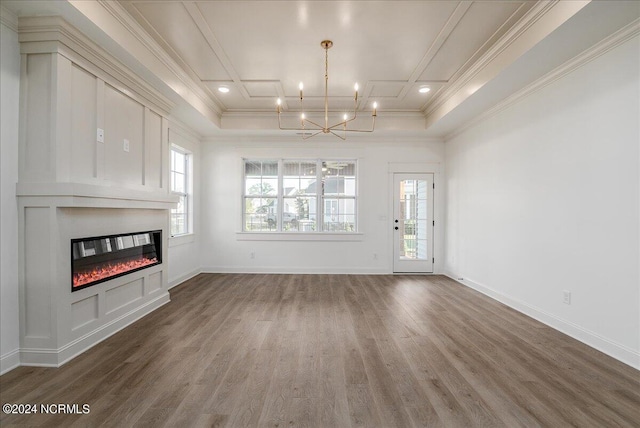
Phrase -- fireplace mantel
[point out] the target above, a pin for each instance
(94, 195)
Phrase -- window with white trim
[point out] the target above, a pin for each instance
(288, 195)
(180, 175)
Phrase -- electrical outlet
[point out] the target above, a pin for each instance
(125, 146)
(100, 136)
(566, 297)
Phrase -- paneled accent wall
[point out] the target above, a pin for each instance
(93, 161)
(65, 104)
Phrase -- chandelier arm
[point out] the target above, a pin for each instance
(373, 126)
(344, 122)
(313, 123)
(339, 136)
(352, 118)
(294, 129)
(287, 129)
(312, 135)
(360, 130)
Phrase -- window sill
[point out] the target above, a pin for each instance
(187, 238)
(297, 236)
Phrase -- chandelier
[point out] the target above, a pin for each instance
(315, 128)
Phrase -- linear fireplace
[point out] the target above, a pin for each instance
(101, 258)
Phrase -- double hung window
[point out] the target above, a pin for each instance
(180, 172)
(288, 195)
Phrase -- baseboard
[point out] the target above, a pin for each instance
(182, 278)
(57, 357)
(293, 270)
(9, 361)
(614, 350)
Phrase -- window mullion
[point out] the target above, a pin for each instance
(319, 196)
(356, 222)
(280, 195)
(186, 191)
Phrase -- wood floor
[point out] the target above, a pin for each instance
(332, 351)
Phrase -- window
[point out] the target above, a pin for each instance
(299, 196)
(260, 195)
(180, 175)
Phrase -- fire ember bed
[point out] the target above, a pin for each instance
(98, 259)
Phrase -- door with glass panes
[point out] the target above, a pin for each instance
(413, 223)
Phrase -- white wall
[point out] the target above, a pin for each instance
(10, 90)
(184, 251)
(225, 250)
(544, 197)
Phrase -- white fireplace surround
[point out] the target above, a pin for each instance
(56, 324)
(75, 184)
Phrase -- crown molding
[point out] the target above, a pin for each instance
(536, 24)
(602, 47)
(163, 47)
(237, 121)
(33, 31)
(8, 18)
(539, 10)
(131, 25)
(178, 127)
(248, 114)
(113, 20)
(286, 141)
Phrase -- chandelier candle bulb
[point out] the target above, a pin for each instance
(278, 104)
(355, 87)
(300, 86)
(375, 108)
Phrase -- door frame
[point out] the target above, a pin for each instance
(427, 167)
(418, 265)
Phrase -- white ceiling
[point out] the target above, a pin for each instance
(260, 50)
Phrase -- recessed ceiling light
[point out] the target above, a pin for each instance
(223, 89)
(424, 89)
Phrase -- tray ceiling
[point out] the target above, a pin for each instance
(261, 50)
(471, 54)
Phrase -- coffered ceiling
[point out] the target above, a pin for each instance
(262, 50)
(469, 54)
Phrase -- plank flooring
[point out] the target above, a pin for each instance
(236, 350)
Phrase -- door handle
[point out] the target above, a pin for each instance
(396, 220)
(396, 228)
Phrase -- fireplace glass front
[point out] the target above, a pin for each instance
(98, 259)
